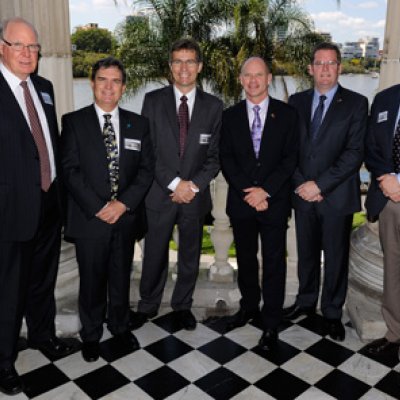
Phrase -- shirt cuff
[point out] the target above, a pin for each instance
(174, 183)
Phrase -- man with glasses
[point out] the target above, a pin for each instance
(326, 181)
(30, 220)
(184, 126)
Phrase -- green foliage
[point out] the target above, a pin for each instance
(82, 63)
(95, 40)
(359, 219)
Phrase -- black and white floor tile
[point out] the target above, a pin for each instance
(210, 363)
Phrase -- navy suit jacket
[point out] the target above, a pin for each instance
(86, 175)
(334, 158)
(379, 160)
(20, 188)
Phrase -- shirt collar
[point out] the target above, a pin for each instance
(263, 105)
(178, 94)
(100, 112)
(12, 80)
(329, 94)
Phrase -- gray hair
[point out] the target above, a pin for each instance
(18, 20)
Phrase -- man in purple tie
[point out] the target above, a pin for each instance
(258, 156)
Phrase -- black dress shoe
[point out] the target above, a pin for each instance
(241, 318)
(335, 329)
(54, 347)
(128, 340)
(268, 339)
(382, 347)
(186, 319)
(10, 381)
(138, 319)
(295, 311)
(90, 351)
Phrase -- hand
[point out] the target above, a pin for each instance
(183, 193)
(111, 212)
(389, 185)
(309, 191)
(255, 197)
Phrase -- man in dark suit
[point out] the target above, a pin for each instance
(332, 127)
(108, 166)
(30, 221)
(184, 125)
(383, 202)
(258, 153)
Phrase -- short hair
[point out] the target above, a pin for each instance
(255, 58)
(186, 44)
(16, 20)
(326, 46)
(108, 62)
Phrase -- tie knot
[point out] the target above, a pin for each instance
(107, 118)
(256, 109)
(184, 99)
(322, 98)
(24, 84)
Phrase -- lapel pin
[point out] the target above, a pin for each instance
(272, 115)
(128, 125)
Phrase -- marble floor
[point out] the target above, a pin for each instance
(212, 363)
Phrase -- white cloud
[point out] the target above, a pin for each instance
(79, 7)
(338, 18)
(368, 5)
(379, 24)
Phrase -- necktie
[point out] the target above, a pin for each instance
(256, 130)
(396, 149)
(317, 118)
(112, 154)
(183, 118)
(38, 137)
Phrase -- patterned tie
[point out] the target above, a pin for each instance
(38, 137)
(112, 154)
(183, 118)
(396, 149)
(256, 130)
(317, 119)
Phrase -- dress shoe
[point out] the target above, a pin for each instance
(186, 319)
(54, 347)
(295, 311)
(10, 381)
(128, 340)
(241, 318)
(268, 339)
(90, 351)
(382, 347)
(335, 329)
(138, 319)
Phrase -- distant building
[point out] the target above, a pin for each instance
(91, 25)
(364, 48)
(326, 36)
(351, 50)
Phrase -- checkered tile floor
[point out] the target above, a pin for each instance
(210, 363)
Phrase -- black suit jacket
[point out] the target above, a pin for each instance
(20, 189)
(334, 158)
(273, 168)
(85, 171)
(200, 162)
(379, 143)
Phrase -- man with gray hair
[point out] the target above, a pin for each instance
(30, 212)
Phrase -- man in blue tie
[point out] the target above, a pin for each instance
(258, 153)
(332, 126)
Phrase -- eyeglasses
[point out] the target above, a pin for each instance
(329, 63)
(188, 63)
(18, 47)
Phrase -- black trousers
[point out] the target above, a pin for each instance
(104, 270)
(246, 233)
(28, 273)
(329, 233)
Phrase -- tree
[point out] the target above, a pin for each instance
(96, 40)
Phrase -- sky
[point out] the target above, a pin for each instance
(353, 20)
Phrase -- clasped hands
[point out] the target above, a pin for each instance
(390, 186)
(184, 192)
(256, 197)
(309, 191)
(111, 212)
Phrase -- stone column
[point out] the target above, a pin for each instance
(51, 20)
(221, 235)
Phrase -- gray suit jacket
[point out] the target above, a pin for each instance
(200, 161)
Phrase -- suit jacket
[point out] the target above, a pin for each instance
(199, 163)
(273, 168)
(379, 160)
(85, 170)
(20, 190)
(334, 158)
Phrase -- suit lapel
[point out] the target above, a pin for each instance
(169, 104)
(94, 132)
(243, 125)
(199, 114)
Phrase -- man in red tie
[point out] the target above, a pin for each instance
(30, 216)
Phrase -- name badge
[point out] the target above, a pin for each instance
(205, 138)
(382, 116)
(132, 144)
(46, 98)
